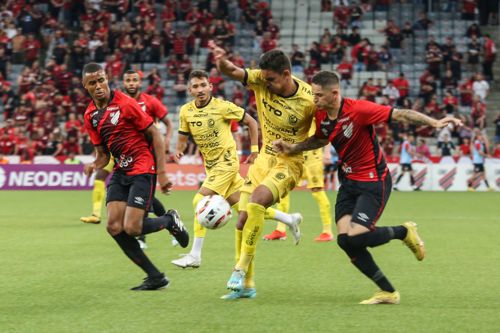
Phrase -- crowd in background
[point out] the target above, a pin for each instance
(48, 42)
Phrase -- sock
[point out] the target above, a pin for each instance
(131, 248)
(158, 208)
(412, 180)
(237, 243)
(150, 224)
(197, 246)
(363, 261)
(486, 182)
(284, 204)
(399, 178)
(251, 234)
(324, 210)
(98, 194)
(199, 230)
(379, 236)
(277, 215)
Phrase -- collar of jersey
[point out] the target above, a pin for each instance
(204, 106)
(297, 85)
(111, 96)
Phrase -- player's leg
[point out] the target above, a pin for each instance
(280, 213)
(98, 194)
(193, 258)
(159, 210)
(319, 195)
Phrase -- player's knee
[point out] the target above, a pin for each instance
(132, 229)
(242, 219)
(357, 241)
(113, 228)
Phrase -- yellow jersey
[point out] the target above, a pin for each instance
(210, 127)
(286, 118)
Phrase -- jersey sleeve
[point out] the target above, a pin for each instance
(183, 124)
(158, 109)
(253, 78)
(233, 112)
(140, 119)
(368, 113)
(95, 138)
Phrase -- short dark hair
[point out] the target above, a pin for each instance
(130, 72)
(326, 78)
(91, 67)
(275, 60)
(198, 73)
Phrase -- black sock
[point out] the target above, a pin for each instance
(362, 259)
(486, 182)
(131, 247)
(399, 178)
(150, 225)
(412, 180)
(158, 207)
(379, 236)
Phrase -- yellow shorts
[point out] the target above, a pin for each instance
(277, 173)
(109, 167)
(223, 182)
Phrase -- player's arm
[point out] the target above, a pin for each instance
(327, 155)
(253, 130)
(170, 130)
(310, 143)
(225, 66)
(159, 153)
(417, 118)
(101, 160)
(182, 141)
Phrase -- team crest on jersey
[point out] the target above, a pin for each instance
(211, 123)
(143, 106)
(292, 119)
(115, 116)
(280, 176)
(347, 130)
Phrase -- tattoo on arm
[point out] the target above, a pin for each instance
(310, 143)
(412, 117)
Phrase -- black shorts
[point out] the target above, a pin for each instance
(479, 167)
(406, 167)
(365, 201)
(137, 190)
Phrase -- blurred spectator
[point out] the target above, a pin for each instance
(480, 87)
(297, 59)
(180, 87)
(156, 89)
(489, 57)
(497, 128)
(217, 82)
(469, 9)
(422, 150)
(403, 86)
(464, 148)
(450, 103)
(466, 92)
(391, 92)
(345, 70)
(446, 146)
(423, 22)
(478, 114)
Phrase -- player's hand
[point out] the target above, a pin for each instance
(448, 120)
(251, 158)
(177, 156)
(218, 51)
(282, 147)
(165, 184)
(88, 169)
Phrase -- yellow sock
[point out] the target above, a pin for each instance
(98, 194)
(251, 234)
(324, 210)
(284, 204)
(199, 230)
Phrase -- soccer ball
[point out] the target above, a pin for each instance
(213, 212)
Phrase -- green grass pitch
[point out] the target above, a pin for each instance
(59, 275)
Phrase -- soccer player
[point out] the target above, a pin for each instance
(407, 153)
(155, 109)
(117, 125)
(479, 153)
(363, 173)
(285, 109)
(313, 173)
(208, 120)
